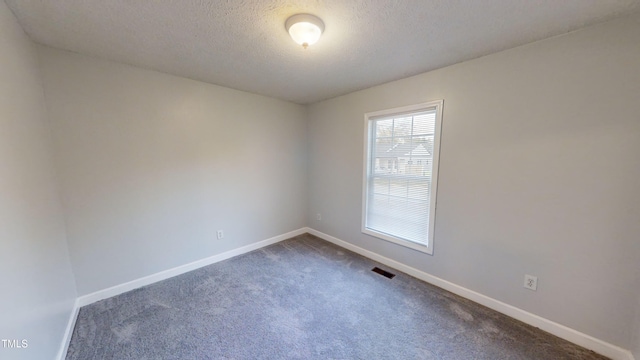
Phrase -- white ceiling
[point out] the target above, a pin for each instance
(243, 44)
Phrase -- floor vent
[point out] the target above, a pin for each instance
(383, 273)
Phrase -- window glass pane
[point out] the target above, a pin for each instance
(383, 163)
(402, 126)
(424, 123)
(381, 186)
(401, 174)
(384, 128)
(398, 187)
(418, 189)
(399, 217)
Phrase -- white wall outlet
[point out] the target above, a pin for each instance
(319, 217)
(220, 234)
(531, 282)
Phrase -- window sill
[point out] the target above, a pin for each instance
(405, 243)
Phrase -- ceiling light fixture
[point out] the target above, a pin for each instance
(305, 29)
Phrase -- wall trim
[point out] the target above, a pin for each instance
(71, 324)
(599, 346)
(178, 270)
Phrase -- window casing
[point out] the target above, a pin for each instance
(400, 179)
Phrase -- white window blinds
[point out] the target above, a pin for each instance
(401, 174)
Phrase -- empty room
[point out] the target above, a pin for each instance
(336, 179)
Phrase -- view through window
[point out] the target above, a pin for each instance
(401, 174)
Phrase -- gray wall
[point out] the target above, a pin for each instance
(539, 175)
(36, 283)
(151, 165)
(635, 341)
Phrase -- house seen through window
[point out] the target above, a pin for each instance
(401, 169)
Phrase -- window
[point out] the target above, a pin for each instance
(399, 203)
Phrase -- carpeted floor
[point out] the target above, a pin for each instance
(303, 298)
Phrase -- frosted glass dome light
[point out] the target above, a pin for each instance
(305, 29)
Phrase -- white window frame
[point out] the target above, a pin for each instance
(368, 136)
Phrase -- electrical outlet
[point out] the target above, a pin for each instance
(220, 234)
(531, 282)
(319, 217)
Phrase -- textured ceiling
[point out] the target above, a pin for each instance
(242, 44)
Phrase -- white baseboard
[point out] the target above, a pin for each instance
(576, 337)
(163, 275)
(561, 331)
(66, 339)
(147, 280)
